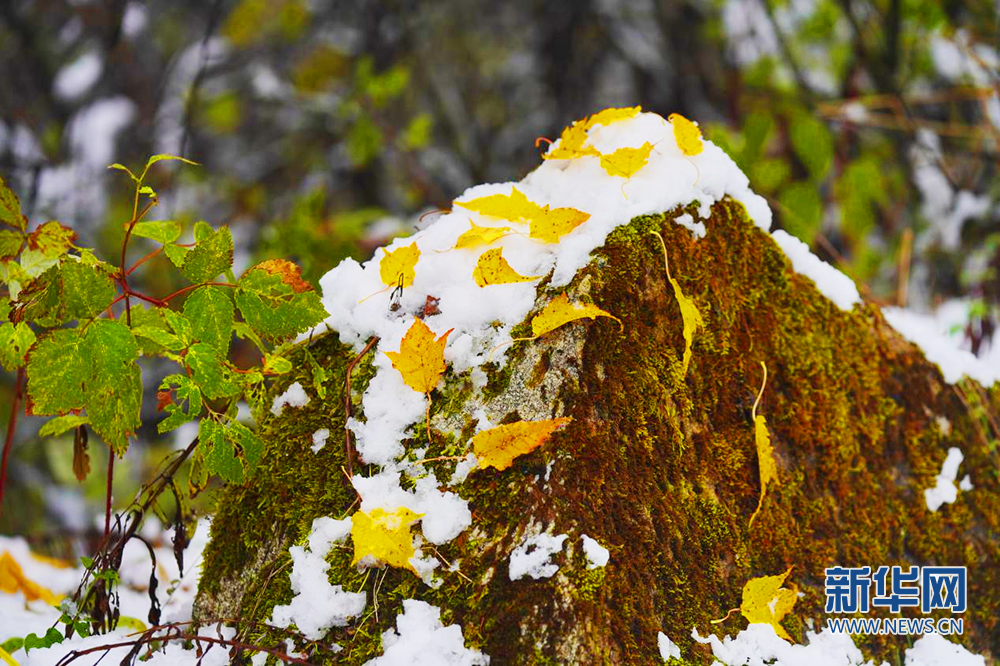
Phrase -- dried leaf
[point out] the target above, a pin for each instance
(81, 459)
(478, 236)
(385, 535)
(608, 116)
(692, 320)
(420, 359)
(765, 450)
(625, 162)
(560, 311)
(497, 447)
(766, 602)
(397, 267)
(13, 580)
(514, 206)
(571, 143)
(686, 134)
(492, 268)
(552, 223)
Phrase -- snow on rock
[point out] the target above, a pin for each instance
(686, 221)
(945, 491)
(831, 282)
(668, 649)
(445, 514)
(319, 439)
(317, 605)
(758, 645)
(294, 396)
(531, 557)
(597, 555)
(935, 650)
(421, 640)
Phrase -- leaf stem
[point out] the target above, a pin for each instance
(123, 276)
(107, 499)
(166, 299)
(11, 427)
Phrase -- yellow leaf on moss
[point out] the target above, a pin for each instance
(571, 143)
(766, 602)
(420, 359)
(397, 268)
(514, 206)
(625, 162)
(691, 318)
(384, 535)
(13, 580)
(552, 223)
(492, 268)
(608, 116)
(765, 450)
(686, 134)
(478, 236)
(497, 447)
(560, 311)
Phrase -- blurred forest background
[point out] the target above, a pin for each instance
(326, 127)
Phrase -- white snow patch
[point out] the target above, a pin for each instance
(686, 221)
(319, 439)
(758, 645)
(421, 640)
(945, 491)
(597, 555)
(668, 649)
(831, 283)
(446, 515)
(462, 469)
(936, 650)
(294, 396)
(531, 558)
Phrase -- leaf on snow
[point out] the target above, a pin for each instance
(420, 359)
(686, 134)
(514, 206)
(625, 162)
(492, 268)
(497, 447)
(766, 602)
(608, 116)
(13, 580)
(560, 311)
(571, 143)
(550, 224)
(477, 236)
(385, 535)
(396, 268)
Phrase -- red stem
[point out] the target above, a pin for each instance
(11, 427)
(169, 297)
(107, 501)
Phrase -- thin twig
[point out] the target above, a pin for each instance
(8, 442)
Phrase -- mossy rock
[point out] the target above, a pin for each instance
(659, 466)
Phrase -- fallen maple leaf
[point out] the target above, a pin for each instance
(384, 535)
(492, 268)
(690, 316)
(766, 602)
(560, 311)
(550, 224)
(625, 162)
(397, 268)
(478, 236)
(765, 451)
(686, 134)
(608, 116)
(514, 206)
(571, 143)
(497, 447)
(420, 359)
(13, 580)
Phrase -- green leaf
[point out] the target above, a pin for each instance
(162, 337)
(805, 208)
(35, 262)
(218, 452)
(12, 645)
(210, 257)
(277, 365)
(275, 301)
(51, 637)
(114, 388)
(122, 167)
(185, 390)
(52, 239)
(10, 208)
(202, 231)
(161, 157)
(813, 143)
(148, 191)
(179, 323)
(250, 444)
(61, 424)
(148, 318)
(244, 332)
(10, 243)
(15, 341)
(57, 370)
(208, 372)
(210, 310)
(161, 231)
(70, 290)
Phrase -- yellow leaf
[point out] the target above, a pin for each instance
(420, 359)
(12, 580)
(686, 134)
(477, 236)
(492, 268)
(692, 320)
(560, 311)
(765, 451)
(608, 116)
(571, 143)
(497, 447)
(514, 206)
(133, 623)
(625, 162)
(385, 535)
(397, 268)
(766, 602)
(552, 223)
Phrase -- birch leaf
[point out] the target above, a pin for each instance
(765, 450)
(397, 268)
(497, 447)
(12, 580)
(560, 311)
(766, 602)
(478, 236)
(692, 320)
(625, 162)
(384, 535)
(608, 116)
(552, 223)
(492, 268)
(514, 206)
(420, 359)
(686, 134)
(571, 143)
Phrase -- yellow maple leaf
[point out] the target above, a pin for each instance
(477, 236)
(514, 206)
(686, 134)
(552, 223)
(492, 268)
(766, 602)
(560, 311)
(420, 359)
(12, 580)
(608, 116)
(765, 450)
(497, 447)
(625, 162)
(571, 143)
(385, 535)
(690, 316)
(397, 268)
